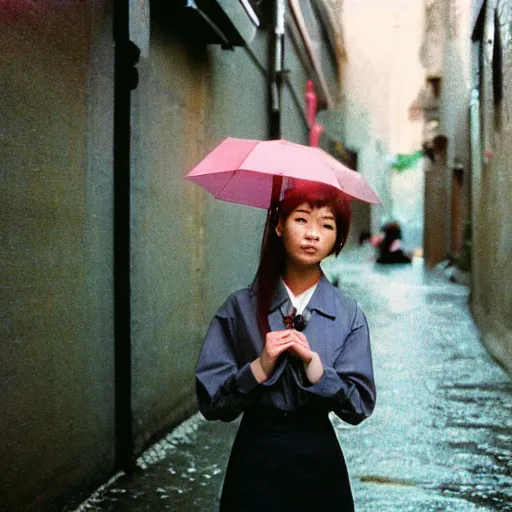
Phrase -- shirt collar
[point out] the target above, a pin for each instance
(323, 300)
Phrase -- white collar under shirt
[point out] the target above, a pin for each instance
(300, 302)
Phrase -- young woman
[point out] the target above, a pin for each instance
(286, 352)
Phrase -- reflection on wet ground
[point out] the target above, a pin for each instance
(440, 438)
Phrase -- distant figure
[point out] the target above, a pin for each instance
(389, 244)
(364, 236)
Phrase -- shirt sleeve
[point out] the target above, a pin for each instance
(348, 387)
(223, 389)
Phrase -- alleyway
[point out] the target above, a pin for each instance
(439, 440)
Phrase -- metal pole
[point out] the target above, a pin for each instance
(276, 66)
(276, 82)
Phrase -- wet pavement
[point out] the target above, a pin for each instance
(440, 438)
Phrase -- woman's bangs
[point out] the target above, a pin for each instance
(315, 194)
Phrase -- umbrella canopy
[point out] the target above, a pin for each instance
(243, 171)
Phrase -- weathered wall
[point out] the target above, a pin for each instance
(293, 120)
(454, 121)
(56, 348)
(492, 243)
(436, 204)
(189, 251)
(238, 107)
(445, 54)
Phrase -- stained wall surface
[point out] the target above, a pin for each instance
(56, 348)
(189, 250)
(492, 213)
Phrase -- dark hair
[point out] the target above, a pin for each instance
(392, 232)
(273, 256)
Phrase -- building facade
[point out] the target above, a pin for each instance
(446, 56)
(491, 180)
(467, 54)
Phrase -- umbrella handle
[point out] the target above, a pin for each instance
(270, 223)
(277, 183)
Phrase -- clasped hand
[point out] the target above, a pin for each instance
(278, 342)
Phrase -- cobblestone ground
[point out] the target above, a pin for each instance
(440, 438)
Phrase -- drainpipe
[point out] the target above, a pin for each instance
(311, 102)
(126, 55)
(276, 75)
(314, 135)
(276, 83)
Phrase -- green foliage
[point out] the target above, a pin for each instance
(404, 162)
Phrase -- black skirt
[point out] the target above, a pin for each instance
(286, 462)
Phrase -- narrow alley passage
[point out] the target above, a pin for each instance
(440, 438)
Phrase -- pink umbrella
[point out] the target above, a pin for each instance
(250, 171)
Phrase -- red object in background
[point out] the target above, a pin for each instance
(314, 135)
(376, 240)
(13, 8)
(315, 129)
(311, 102)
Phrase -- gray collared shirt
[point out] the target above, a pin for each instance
(337, 330)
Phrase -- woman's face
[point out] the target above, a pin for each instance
(308, 234)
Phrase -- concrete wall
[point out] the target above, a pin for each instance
(454, 121)
(189, 251)
(56, 351)
(446, 56)
(492, 243)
